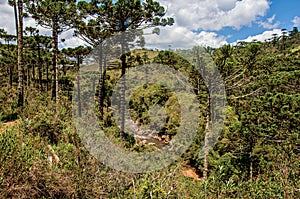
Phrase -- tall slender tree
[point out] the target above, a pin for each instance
(8, 54)
(109, 18)
(56, 15)
(20, 55)
(133, 15)
(94, 32)
(18, 13)
(78, 53)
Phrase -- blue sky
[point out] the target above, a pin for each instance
(218, 22)
(202, 22)
(284, 12)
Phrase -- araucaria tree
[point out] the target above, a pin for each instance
(131, 15)
(18, 13)
(20, 52)
(55, 15)
(119, 16)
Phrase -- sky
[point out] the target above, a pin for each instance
(202, 22)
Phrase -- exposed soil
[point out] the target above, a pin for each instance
(9, 124)
(190, 172)
(6, 125)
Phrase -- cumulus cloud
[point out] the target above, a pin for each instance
(263, 36)
(7, 17)
(215, 14)
(205, 17)
(226, 5)
(196, 21)
(296, 21)
(182, 37)
(8, 21)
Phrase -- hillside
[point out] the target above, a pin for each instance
(257, 154)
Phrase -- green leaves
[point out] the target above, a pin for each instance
(99, 20)
(45, 12)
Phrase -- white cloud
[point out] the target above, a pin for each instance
(206, 16)
(263, 36)
(182, 37)
(269, 23)
(7, 17)
(271, 19)
(226, 5)
(8, 23)
(70, 40)
(296, 21)
(211, 39)
(215, 14)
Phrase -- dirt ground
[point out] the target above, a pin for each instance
(190, 172)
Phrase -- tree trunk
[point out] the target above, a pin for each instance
(100, 101)
(54, 61)
(20, 56)
(16, 16)
(251, 168)
(47, 76)
(17, 27)
(79, 97)
(103, 80)
(33, 75)
(207, 135)
(10, 76)
(27, 77)
(78, 86)
(39, 65)
(123, 88)
(10, 70)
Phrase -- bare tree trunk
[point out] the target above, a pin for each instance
(251, 168)
(207, 136)
(33, 75)
(79, 97)
(47, 76)
(78, 86)
(10, 76)
(39, 65)
(27, 77)
(123, 88)
(103, 78)
(16, 16)
(20, 56)
(54, 61)
(101, 81)
(10, 71)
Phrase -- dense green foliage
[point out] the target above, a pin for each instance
(257, 154)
